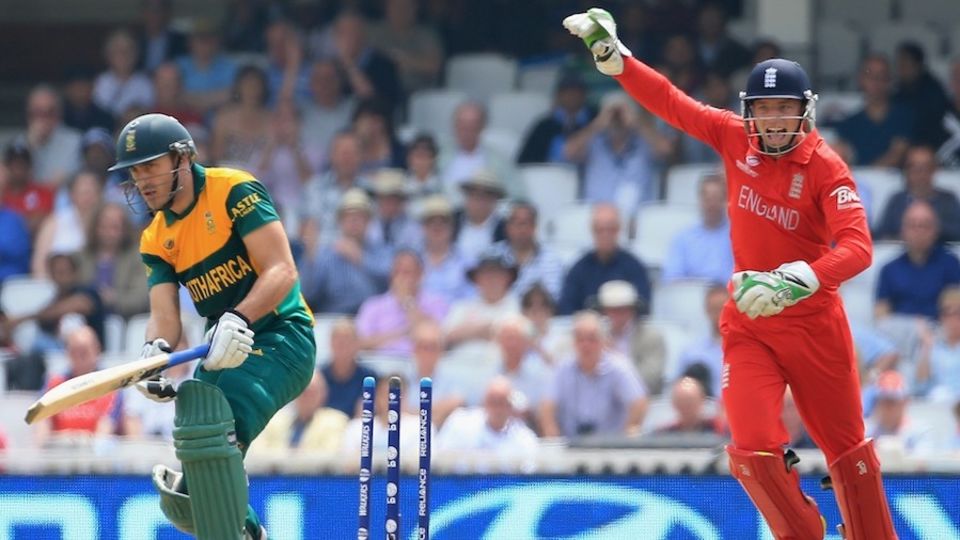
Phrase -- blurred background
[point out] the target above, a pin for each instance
(459, 184)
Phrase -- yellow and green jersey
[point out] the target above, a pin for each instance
(202, 248)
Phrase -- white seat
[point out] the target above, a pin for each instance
(838, 51)
(541, 78)
(949, 180)
(878, 184)
(322, 326)
(24, 295)
(517, 111)
(676, 338)
(657, 225)
(858, 302)
(682, 302)
(935, 12)
(569, 229)
(505, 142)
(835, 106)
(113, 335)
(481, 75)
(884, 37)
(859, 12)
(432, 111)
(549, 186)
(683, 182)
(136, 333)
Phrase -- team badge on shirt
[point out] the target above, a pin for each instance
(796, 186)
(168, 244)
(211, 226)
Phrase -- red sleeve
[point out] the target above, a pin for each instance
(847, 224)
(658, 95)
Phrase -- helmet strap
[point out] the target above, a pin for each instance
(175, 186)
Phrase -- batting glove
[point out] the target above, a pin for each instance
(231, 340)
(158, 388)
(598, 30)
(764, 294)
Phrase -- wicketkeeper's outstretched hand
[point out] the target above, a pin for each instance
(598, 30)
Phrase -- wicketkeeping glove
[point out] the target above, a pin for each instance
(231, 340)
(598, 30)
(764, 294)
(157, 388)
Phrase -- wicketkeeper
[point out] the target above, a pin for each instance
(215, 231)
(798, 231)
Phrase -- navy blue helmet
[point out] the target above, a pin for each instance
(783, 79)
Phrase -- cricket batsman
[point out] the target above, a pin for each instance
(798, 231)
(216, 232)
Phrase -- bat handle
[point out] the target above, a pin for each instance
(187, 355)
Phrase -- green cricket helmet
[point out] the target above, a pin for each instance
(150, 136)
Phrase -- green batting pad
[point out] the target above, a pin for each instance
(206, 443)
(173, 501)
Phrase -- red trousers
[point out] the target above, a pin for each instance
(814, 354)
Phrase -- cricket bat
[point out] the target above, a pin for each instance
(93, 385)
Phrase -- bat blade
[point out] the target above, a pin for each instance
(98, 383)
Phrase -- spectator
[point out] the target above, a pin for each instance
(206, 71)
(680, 62)
(705, 356)
(409, 438)
(703, 251)
(323, 193)
(493, 430)
(21, 193)
(617, 152)
(918, 171)
(241, 126)
(537, 263)
(326, 111)
(79, 110)
(938, 364)
(121, 86)
(875, 351)
(793, 423)
(689, 401)
(110, 262)
(286, 77)
(392, 225)
(552, 341)
(570, 114)
(308, 426)
(641, 344)
(93, 418)
(880, 132)
(717, 50)
(374, 128)
(54, 147)
(159, 42)
(415, 49)
(477, 224)
(919, 90)
(64, 231)
(445, 269)
(468, 154)
(385, 321)
(349, 270)
(15, 248)
(428, 347)
(715, 92)
(169, 95)
(284, 164)
(522, 366)
(422, 179)
(368, 72)
(887, 421)
(594, 392)
(246, 24)
(471, 322)
(911, 283)
(343, 376)
(605, 262)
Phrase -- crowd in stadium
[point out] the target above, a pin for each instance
(425, 253)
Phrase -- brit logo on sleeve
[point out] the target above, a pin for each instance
(846, 198)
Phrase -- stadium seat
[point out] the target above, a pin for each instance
(569, 229)
(24, 295)
(517, 111)
(504, 142)
(677, 338)
(883, 252)
(863, 13)
(882, 183)
(858, 302)
(542, 78)
(949, 180)
(835, 106)
(432, 111)
(935, 12)
(481, 75)
(136, 333)
(549, 186)
(113, 336)
(683, 182)
(13, 406)
(884, 37)
(682, 302)
(657, 224)
(322, 326)
(838, 52)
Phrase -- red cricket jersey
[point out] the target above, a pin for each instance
(33, 200)
(781, 210)
(83, 417)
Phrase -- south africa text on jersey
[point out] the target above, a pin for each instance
(218, 278)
